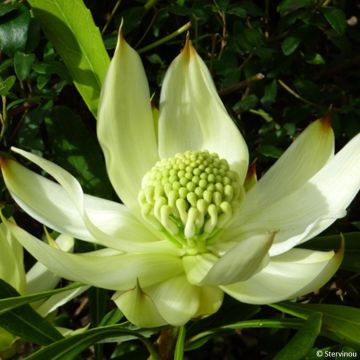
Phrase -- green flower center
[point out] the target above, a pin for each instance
(191, 196)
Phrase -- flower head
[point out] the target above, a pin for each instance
(188, 230)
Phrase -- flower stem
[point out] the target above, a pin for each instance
(165, 39)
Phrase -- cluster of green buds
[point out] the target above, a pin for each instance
(191, 196)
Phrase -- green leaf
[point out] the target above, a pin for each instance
(340, 323)
(9, 302)
(13, 27)
(270, 93)
(290, 44)
(71, 29)
(6, 85)
(336, 18)
(22, 64)
(303, 341)
(200, 339)
(68, 348)
(270, 151)
(25, 322)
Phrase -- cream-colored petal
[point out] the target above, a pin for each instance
(138, 307)
(39, 278)
(66, 209)
(197, 266)
(125, 126)
(295, 273)
(11, 260)
(114, 272)
(211, 299)
(192, 116)
(54, 302)
(310, 209)
(303, 159)
(176, 299)
(241, 261)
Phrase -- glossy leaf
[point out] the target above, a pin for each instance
(70, 27)
(336, 18)
(14, 28)
(340, 323)
(22, 64)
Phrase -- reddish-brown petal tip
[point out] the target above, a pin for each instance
(326, 121)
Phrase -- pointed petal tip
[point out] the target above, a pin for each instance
(188, 50)
(326, 122)
(251, 176)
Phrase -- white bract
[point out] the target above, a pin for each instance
(38, 278)
(188, 231)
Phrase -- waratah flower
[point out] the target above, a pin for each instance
(38, 278)
(188, 232)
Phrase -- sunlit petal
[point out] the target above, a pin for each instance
(138, 307)
(192, 116)
(310, 209)
(303, 159)
(125, 124)
(176, 299)
(295, 273)
(66, 209)
(116, 272)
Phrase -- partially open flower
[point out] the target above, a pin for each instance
(188, 231)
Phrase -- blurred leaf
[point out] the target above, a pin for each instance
(249, 102)
(22, 64)
(270, 93)
(68, 348)
(75, 148)
(25, 322)
(270, 151)
(112, 317)
(237, 10)
(303, 341)
(290, 44)
(287, 6)
(14, 24)
(336, 18)
(70, 27)
(6, 85)
(340, 323)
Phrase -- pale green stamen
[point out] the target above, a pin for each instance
(191, 196)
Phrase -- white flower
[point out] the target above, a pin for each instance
(188, 232)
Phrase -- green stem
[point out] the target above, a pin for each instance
(111, 16)
(179, 347)
(165, 39)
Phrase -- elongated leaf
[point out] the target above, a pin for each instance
(66, 349)
(25, 322)
(303, 341)
(71, 29)
(200, 339)
(11, 300)
(340, 323)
